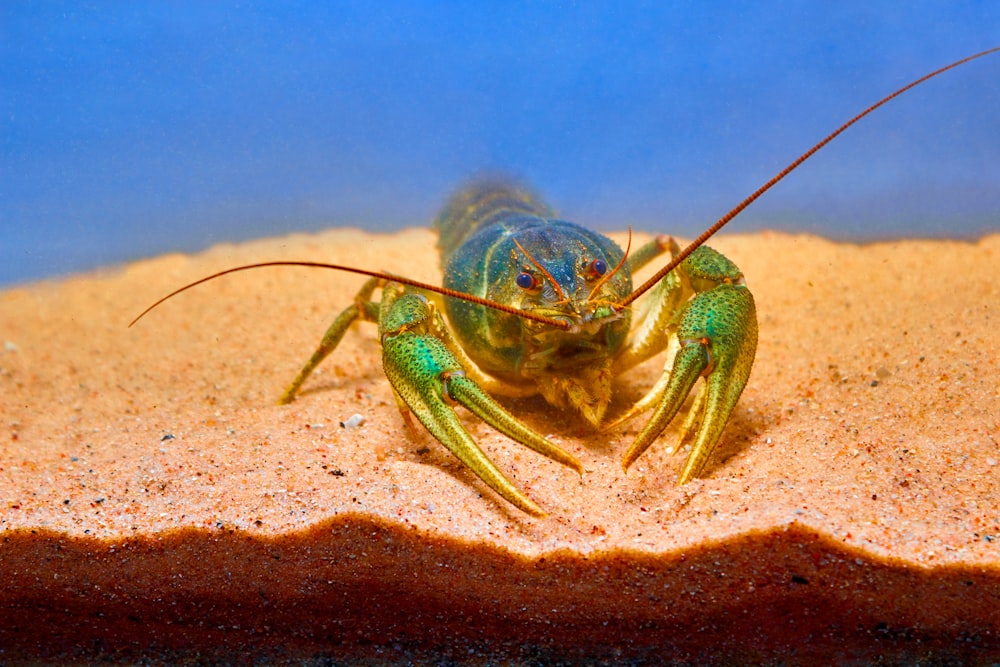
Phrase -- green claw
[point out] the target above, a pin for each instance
(469, 394)
(427, 377)
(717, 331)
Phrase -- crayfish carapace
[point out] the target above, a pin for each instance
(535, 305)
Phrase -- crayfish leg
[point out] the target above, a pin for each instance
(361, 309)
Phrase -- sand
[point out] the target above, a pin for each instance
(155, 501)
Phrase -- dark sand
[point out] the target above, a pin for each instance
(155, 501)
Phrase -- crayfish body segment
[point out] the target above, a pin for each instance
(500, 244)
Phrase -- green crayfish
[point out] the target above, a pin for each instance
(535, 305)
(573, 281)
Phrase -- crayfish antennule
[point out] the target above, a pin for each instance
(542, 269)
(608, 276)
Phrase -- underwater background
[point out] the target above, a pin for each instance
(134, 129)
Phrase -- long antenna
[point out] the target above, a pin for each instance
(560, 324)
(646, 286)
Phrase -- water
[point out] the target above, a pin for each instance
(130, 130)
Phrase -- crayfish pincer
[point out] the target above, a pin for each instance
(534, 305)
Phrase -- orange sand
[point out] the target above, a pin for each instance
(154, 501)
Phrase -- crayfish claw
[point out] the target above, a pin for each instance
(717, 332)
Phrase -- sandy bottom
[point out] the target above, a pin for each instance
(156, 502)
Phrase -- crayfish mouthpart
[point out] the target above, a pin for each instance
(585, 320)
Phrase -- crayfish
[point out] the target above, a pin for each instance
(535, 305)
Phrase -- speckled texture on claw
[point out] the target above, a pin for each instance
(717, 332)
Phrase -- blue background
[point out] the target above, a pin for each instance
(132, 129)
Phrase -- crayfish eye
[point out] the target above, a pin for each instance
(597, 268)
(526, 281)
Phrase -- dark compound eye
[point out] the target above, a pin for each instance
(598, 267)
(526, 281)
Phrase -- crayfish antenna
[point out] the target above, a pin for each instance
(721, 222)
(388, 277)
